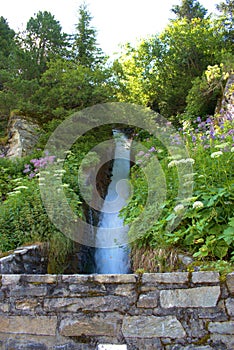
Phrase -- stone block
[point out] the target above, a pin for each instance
(95, 326)
(152, 327)
(104, 304)
(4, 307)
(193, 297)
(111, 347)
(125, 290)
(75, 279)
(191, 347)
(86, 289)
(227, 340)
(230, 306)
(22, 291)
(14, 344)
(8, 280)
(230, 283)
(39, 279)
(149, 300)
(40, 325)
(121, 279)
(165, 278)
(26, 304)
(205, 277)
(221, 327)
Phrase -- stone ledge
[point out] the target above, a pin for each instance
(167, 278)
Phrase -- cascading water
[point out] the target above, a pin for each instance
(112, 253)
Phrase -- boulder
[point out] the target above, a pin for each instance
(22, 136)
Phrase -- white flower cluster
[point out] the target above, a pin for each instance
(216, 154)
(198, 205)
(179, 208)
(181, 161)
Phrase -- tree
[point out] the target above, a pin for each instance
(85, 48)
(189, 9)
(226, 20)
(44, 40)
(6, 40)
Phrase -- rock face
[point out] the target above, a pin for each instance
(226, 107)
(22, 136)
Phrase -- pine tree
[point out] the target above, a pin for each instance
(85, 47)
(189, 9)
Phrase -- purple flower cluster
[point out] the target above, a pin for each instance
(145, 155)
(211, 129)
(37, 164)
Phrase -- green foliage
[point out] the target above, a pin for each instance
(189, 9)
(206, 91)
(44, 40)
(206, 227)
(160, 71)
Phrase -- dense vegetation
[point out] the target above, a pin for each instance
(46, 75)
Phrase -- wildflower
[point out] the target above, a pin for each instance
(141, 153)
(147, 155)
(198, 205)
(222, 145)
(194, 139)
(172, 163)
(152, 149)
(2, 155)
(187, 161)
(216, 154)
(179, 208)
(175, 157)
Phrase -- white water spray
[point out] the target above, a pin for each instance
(113, 257)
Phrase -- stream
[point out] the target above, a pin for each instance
(112, 252)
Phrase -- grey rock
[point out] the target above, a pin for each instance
(193, 297)
(14, 344)
(40, 325)
(230, 283)
(167, 278)
(221, 327)
(230, 306)
(95, 326)
(205, 277)
(149, 300)
(19, 345)
(22, 136)
(152, 327)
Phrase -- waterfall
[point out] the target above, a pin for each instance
(112, 253)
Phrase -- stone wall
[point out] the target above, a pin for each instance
(28, 259)
(171, 311)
